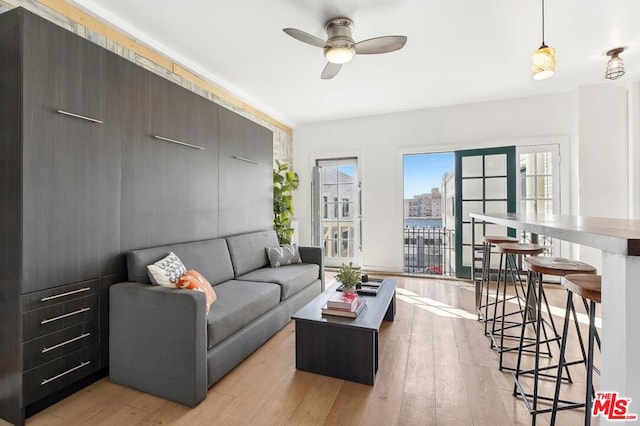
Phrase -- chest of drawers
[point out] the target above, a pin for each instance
(60, 335)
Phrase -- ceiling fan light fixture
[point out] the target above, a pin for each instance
(340, 48)
(543, 63)
(339, 54)
(615, 66)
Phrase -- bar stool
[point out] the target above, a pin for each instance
(588, 287)
(538, 267)
(508, 266)
(488, 243)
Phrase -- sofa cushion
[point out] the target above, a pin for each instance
(286, 254)
(166, 271)
(209, 257)
(248, 250)
(239, 303)
(291, 278)
(193, 280)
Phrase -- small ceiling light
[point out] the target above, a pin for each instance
(543, 60)
(615, 66)
(339, 54)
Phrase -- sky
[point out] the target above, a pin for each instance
(424, 171)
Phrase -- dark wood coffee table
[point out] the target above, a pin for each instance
(346, 348)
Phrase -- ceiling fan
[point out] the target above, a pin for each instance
(339, 48)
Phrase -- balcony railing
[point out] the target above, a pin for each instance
(429, 251)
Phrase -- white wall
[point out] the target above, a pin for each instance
(380, 141)
(634, 149)
(602, 155)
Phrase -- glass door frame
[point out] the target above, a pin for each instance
(556, 199)
(320, 209)
(464, 271)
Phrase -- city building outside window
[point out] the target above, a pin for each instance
(345, 207)
(325, 213)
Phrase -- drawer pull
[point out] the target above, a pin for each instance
(79, 311)
(246, 160)
(82, 117)
(69, 293)
(77, 367)
(162, 138)
(82, 336)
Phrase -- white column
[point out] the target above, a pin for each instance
(621, 327)
(634, 150)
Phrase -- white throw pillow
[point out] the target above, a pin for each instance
(166, 272)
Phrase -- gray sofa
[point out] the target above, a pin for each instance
(161, 340)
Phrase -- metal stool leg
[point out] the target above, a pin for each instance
(486, 274)
(516, 373)
(535, 295)
(495, 305)
(522, 312)
(563, 346)
(589, 390)
(587, 359)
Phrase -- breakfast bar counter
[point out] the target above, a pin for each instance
(619, 240)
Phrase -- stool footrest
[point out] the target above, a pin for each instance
(568, 405)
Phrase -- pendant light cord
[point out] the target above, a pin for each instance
(543, 22)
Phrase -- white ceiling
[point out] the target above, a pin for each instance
(458, 51)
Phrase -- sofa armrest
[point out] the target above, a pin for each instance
(158, 341)
(314, 254)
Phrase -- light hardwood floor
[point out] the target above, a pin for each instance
(436, 368)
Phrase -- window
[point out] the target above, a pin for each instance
(538, 188)
(536, 182)
(335, 207)
(325, 207)
(345, 244)
(345, 207)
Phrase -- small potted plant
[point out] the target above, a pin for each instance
(349, 276)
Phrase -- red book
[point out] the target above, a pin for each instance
(341, 300)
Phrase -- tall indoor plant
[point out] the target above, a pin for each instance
(285, 183)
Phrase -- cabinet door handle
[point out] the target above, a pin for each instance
(82, 336)
(68, 293)
(246, 160)
(82, 117)
(71, 370)
(79, 311)
(162, 138)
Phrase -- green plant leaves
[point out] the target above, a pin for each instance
(285, 182)
(348, 275)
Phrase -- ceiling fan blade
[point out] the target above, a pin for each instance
(305, 37)
(330, 70)
(383, 44)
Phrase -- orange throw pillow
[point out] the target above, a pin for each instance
(192, 280)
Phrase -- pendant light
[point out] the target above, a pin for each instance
(615, 66)
(543, 60)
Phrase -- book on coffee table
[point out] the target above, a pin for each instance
(340, 300)
(342, 312)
